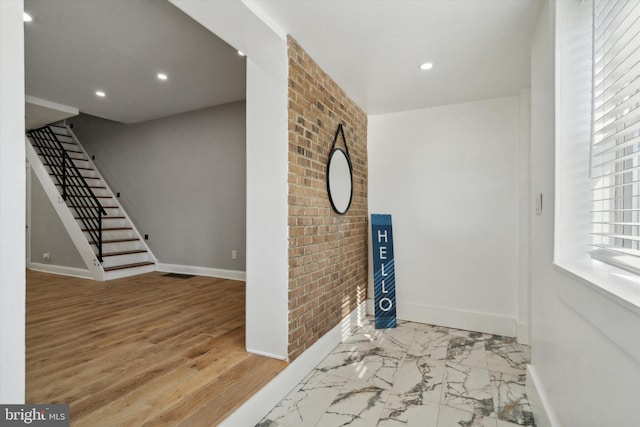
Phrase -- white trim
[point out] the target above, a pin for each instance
(51, 105)
(60, 269)
(259, 405)
(72, 111)
(28, 212)
(540, 406)
(270, 355)
(201, 271)
(522, 333)
(460, 319)
(40, 112)
(615, 284)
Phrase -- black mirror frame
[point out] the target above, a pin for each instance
(340, 131)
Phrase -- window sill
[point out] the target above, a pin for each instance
(616, 284)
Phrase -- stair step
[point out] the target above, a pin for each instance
(72, 149)
(121, 243)
(66, 139)
(65, 136)
(111, 210)
(91, 197)
(99, 187)
(138, 251)
(66, 149)
(60, 130)
(122, 267)
(104, 217)
(78, 163)
(98, 190)
(110, 225)
(113, 234)
(85, 173)
(115, 257)
(94, 178)
(71, 157)
(78, 167)
(104, 242)
(108, 229)
(90, 207)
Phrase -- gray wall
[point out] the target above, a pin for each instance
(181, 180)
(48, 234)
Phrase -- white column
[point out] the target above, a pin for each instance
(12, 204)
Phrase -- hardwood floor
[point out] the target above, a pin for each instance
(149, 350)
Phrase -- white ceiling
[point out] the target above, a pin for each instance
(75, 47)
(373, 48)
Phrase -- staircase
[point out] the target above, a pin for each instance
(111, 236)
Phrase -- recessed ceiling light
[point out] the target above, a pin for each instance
(426, 66)
(26, 17)
(162, 76)
(100, 93)
(241, 53)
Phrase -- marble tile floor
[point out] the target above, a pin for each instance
(414, 375)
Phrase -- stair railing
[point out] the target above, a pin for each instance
(75, 190)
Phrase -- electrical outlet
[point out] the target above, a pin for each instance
(46, 256)
(146, 237)
(234, 254)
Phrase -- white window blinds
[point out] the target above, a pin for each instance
(615, 145)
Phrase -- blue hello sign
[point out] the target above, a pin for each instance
(384, 276)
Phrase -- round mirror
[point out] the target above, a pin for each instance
(339, 181)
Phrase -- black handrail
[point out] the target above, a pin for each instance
(75, 190)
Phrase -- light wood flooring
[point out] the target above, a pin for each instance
(150, 350)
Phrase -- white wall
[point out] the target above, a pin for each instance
(267, 232)
(585, 367)
(12, 206)
(449, 176)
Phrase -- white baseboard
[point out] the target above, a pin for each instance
(259, 405)
(201, 271)
(60, 269)
(542, 413)
(265, 354)
(522, 333)
(468, 320)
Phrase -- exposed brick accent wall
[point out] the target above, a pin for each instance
(327, 252)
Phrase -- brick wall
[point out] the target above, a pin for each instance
(327, 252)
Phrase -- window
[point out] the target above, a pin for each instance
(615, 144)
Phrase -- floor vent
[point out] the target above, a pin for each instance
(179, 276)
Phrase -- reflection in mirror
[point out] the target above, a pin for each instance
(339, 181)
